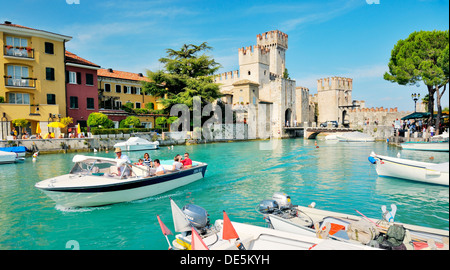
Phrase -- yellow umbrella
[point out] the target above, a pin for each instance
(56, 125)
(78, 128)
(38, 128)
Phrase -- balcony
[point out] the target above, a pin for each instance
(20, 82)
(19, 52)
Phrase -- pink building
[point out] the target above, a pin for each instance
(81, 88)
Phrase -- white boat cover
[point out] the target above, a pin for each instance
(134, 141)
(355, 136)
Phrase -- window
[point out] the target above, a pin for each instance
(118, 88)
(89, 79)
(17, 73)
(118, 104)
(16, 44)
(138, 105)
(138, 90)
(19, 98)
(49, 48)
(74, 102)
(72, 77)
(107, 87)
(51, 99)
(126, 89)
(90, 104)
(49, 73)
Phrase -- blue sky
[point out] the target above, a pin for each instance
(348, 38)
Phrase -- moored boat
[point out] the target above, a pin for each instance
(10, 157)
(382, 233)
(436, 146)
(137, 144)
(354, 137)
(411, 170)
(196, 233)
(19, 150)
(96, 181)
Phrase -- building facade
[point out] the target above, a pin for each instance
(82, 88)
(118, 88)
(33, 77)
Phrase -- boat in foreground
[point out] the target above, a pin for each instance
(382, 233)
(411, 170)
(96, 181)
(436, 146)
(137, 144)
(196, 233)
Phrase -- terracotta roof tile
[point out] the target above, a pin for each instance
(121, 75)
(73, 58)
(29, 28)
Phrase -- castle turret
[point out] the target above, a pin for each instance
(277, 42)
(254, 63)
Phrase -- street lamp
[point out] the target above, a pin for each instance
(415, 97)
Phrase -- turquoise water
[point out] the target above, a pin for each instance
(337, 176)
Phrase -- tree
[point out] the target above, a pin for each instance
(99, 120)
(130, 121)
(423, 56)
(186, 75)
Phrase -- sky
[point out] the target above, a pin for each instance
(347, 38)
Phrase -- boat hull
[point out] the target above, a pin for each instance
(415, 171)
(89, 196)
(426, 146)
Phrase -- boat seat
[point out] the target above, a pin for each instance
(139, 172)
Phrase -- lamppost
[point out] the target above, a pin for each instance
(415, 97)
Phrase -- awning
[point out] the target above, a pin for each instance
(417, 115)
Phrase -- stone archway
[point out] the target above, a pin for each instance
(288, 117)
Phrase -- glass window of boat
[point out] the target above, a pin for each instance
(92, 166)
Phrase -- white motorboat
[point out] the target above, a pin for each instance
(95, 181)
(193, 223)
(10, 157)
(437, 146)
(354, 137)
(19, 150)
(137, 144)
(309, 221)
(411, 170)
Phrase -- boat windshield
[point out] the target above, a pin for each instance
(91, 166)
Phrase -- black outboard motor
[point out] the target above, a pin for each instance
(197, 216)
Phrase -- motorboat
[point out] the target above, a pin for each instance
(196, 233)
(354, 137)
(137, 144)
(10, 157)
(282, 215)
(97, 181)
(437, 146)
(19, 150)
(432, 173)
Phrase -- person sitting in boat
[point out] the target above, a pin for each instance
(124, 169)
(187, 162)
(140, 162)
(159, 168)
(177, 165)
(147, 160)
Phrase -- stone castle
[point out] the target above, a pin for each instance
(260, 81)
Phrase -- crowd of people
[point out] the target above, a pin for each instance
(178, 163)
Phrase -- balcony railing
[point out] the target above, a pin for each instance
(22, 52)
(26, 82)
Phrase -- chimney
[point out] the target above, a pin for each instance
(110, 70)
(141, 75)
(7, 22)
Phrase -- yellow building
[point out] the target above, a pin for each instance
(33, 72)
(117, 88)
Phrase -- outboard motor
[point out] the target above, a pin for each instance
(283, 200)
(268, 206)
(197, 216)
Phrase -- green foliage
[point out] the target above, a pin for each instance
(423, 56)
(99, 120)
(186, 75)
(2, 99)
(20, 122)
(66, 120)
(98, 131)
(130, 121)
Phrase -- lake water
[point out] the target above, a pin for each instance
(336, 176)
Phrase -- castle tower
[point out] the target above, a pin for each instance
(254, 63)
(277, 42)
(334, 96)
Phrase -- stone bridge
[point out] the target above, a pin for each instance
(312, 132)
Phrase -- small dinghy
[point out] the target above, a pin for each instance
(384, 233)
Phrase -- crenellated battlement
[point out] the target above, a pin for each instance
(335, 83)
(227, 77)
(254, 54)
(272, 38)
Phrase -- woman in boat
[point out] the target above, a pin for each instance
(177, 165)
(147, 160)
